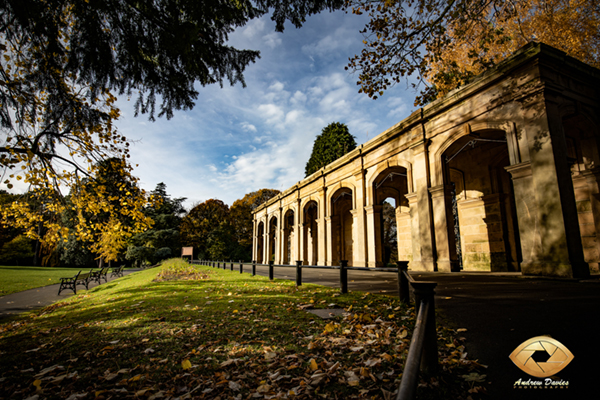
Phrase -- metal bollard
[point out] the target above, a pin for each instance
(343, 276)
(231, 267)
(271, 270)
(403, 289)
(241, 267)
(298, 273)
(253, 268)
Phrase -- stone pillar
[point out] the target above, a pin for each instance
(360, 248)
(266, 240)
(298, 233)
(322, 250)
(279, 237)
(254, 238)
(592, 178)
(546, 211)
(403, 233)
(415, 262)
(423, 205)
(330, 233)
(357, 239)
(444, 230)
(374, 236)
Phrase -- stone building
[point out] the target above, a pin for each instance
(501, 174)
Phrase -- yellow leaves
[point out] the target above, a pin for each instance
(186, 364)
(312, 364)
(330, 327)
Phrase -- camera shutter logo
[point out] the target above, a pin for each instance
(541, 356)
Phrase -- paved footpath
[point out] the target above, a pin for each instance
(31, 299)
(498, 311)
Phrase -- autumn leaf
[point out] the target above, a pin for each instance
(186, 364)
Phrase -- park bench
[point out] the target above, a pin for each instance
(98, 275)
(78, 279)
(117, 271)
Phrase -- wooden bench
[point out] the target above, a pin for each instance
(98, 275)
(78, 279)
(117, 271)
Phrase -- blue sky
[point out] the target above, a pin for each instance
(237, 140)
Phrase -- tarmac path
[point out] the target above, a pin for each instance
(498, 310)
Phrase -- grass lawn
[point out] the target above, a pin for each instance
(183, 331)
(17, 279)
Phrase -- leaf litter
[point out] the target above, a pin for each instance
(270, 348)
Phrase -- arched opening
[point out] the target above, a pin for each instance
(481, 206)
(583, 156)
(311, 235)
(260, 235)
(342, 227)
(272, 239)
(392, 215)
(288, 237)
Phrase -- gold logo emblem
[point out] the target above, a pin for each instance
(541, 356)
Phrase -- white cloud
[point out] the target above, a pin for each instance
(248, 127)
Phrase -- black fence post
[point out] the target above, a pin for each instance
(298, 273)
(403, 289)
(424, 293)
(231, 266)
(271, 270)
(253, 267)
(241, 267)
(343, 276)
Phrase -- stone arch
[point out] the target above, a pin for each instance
(331, 190)
(389, 163)
(310, 234)
(481, 221)
(508, 129)
(341, 223)
(391, 223)
(260, 238)
(289, 233)
(272, 238)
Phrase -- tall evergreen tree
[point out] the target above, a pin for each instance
(334, 141)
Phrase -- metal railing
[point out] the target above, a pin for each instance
(343, 268)
(422, 354)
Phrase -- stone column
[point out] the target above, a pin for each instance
(322, 237)
(546, 211)
(416, 262)
(374, 236)
(360, 229)
(423, 205)
(266, 240)
(298, 233)
(592, 178)
(444, 237)
(254, 238)
(329, 240)
(279, 237)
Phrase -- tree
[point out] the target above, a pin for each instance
(446, 42)
(163, 239)
(201, 227)
(61, 61)
(18, 251)
(334, 141)
(240, 215)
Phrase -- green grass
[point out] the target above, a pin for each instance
(17, 279)
(196, 332)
